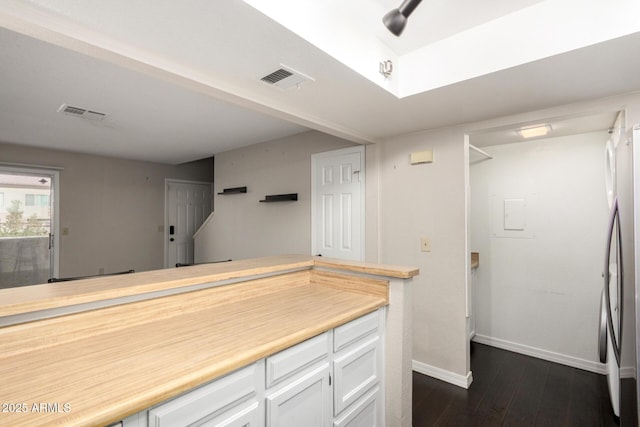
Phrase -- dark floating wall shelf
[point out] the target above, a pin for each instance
(280, 198)
(234, 190)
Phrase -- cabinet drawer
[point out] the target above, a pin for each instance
(364, 413)
(205, 401)
(292, 360)
(354, 330)
(356, 372)
(250, 415)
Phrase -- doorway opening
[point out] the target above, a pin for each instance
(28, 225)
(537, 213)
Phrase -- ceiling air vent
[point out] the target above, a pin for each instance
(276, 76)
(81, 112)
(286, 78)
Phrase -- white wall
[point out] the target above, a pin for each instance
(241, 227)
(428, 200)
(541, 287)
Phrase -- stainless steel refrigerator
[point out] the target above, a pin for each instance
(618, 343)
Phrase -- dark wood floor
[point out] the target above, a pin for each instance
(510, 389)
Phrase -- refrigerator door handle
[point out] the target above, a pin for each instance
(620, 277)
(602, 331)
(612, 227)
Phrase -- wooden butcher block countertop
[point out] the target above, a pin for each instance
(99, 366)
(50, 296)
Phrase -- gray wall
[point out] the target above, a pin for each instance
(113, 208)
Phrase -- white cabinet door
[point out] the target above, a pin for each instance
(303, 402)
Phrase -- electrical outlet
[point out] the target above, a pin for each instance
(101, 270)
(425, 244)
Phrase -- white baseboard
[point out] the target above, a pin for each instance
(444, 375)
(627, 372)
(574, 362)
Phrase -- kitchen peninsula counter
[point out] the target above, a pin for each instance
(99, 365)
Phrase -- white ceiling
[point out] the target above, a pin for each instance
(180, 80)
(147, 118)
(434, 20)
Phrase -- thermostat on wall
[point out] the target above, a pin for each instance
(422, 157)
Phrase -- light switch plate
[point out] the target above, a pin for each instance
(425, 244)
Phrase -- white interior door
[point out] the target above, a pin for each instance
(188, 205)
(338, 203)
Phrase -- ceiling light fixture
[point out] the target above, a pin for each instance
(534, 131)
(397, 18)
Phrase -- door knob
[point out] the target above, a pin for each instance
(171, 239)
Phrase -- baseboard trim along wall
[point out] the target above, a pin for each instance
(463, 381)
(563, 359)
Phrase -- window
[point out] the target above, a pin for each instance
(36, 200)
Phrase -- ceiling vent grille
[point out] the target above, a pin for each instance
(81, 112)
(286, 78)
(276, 76)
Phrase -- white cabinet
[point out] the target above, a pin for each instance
(211, 404)
(298, 385)
(306, 401)
(331, 380)
(357, 368)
